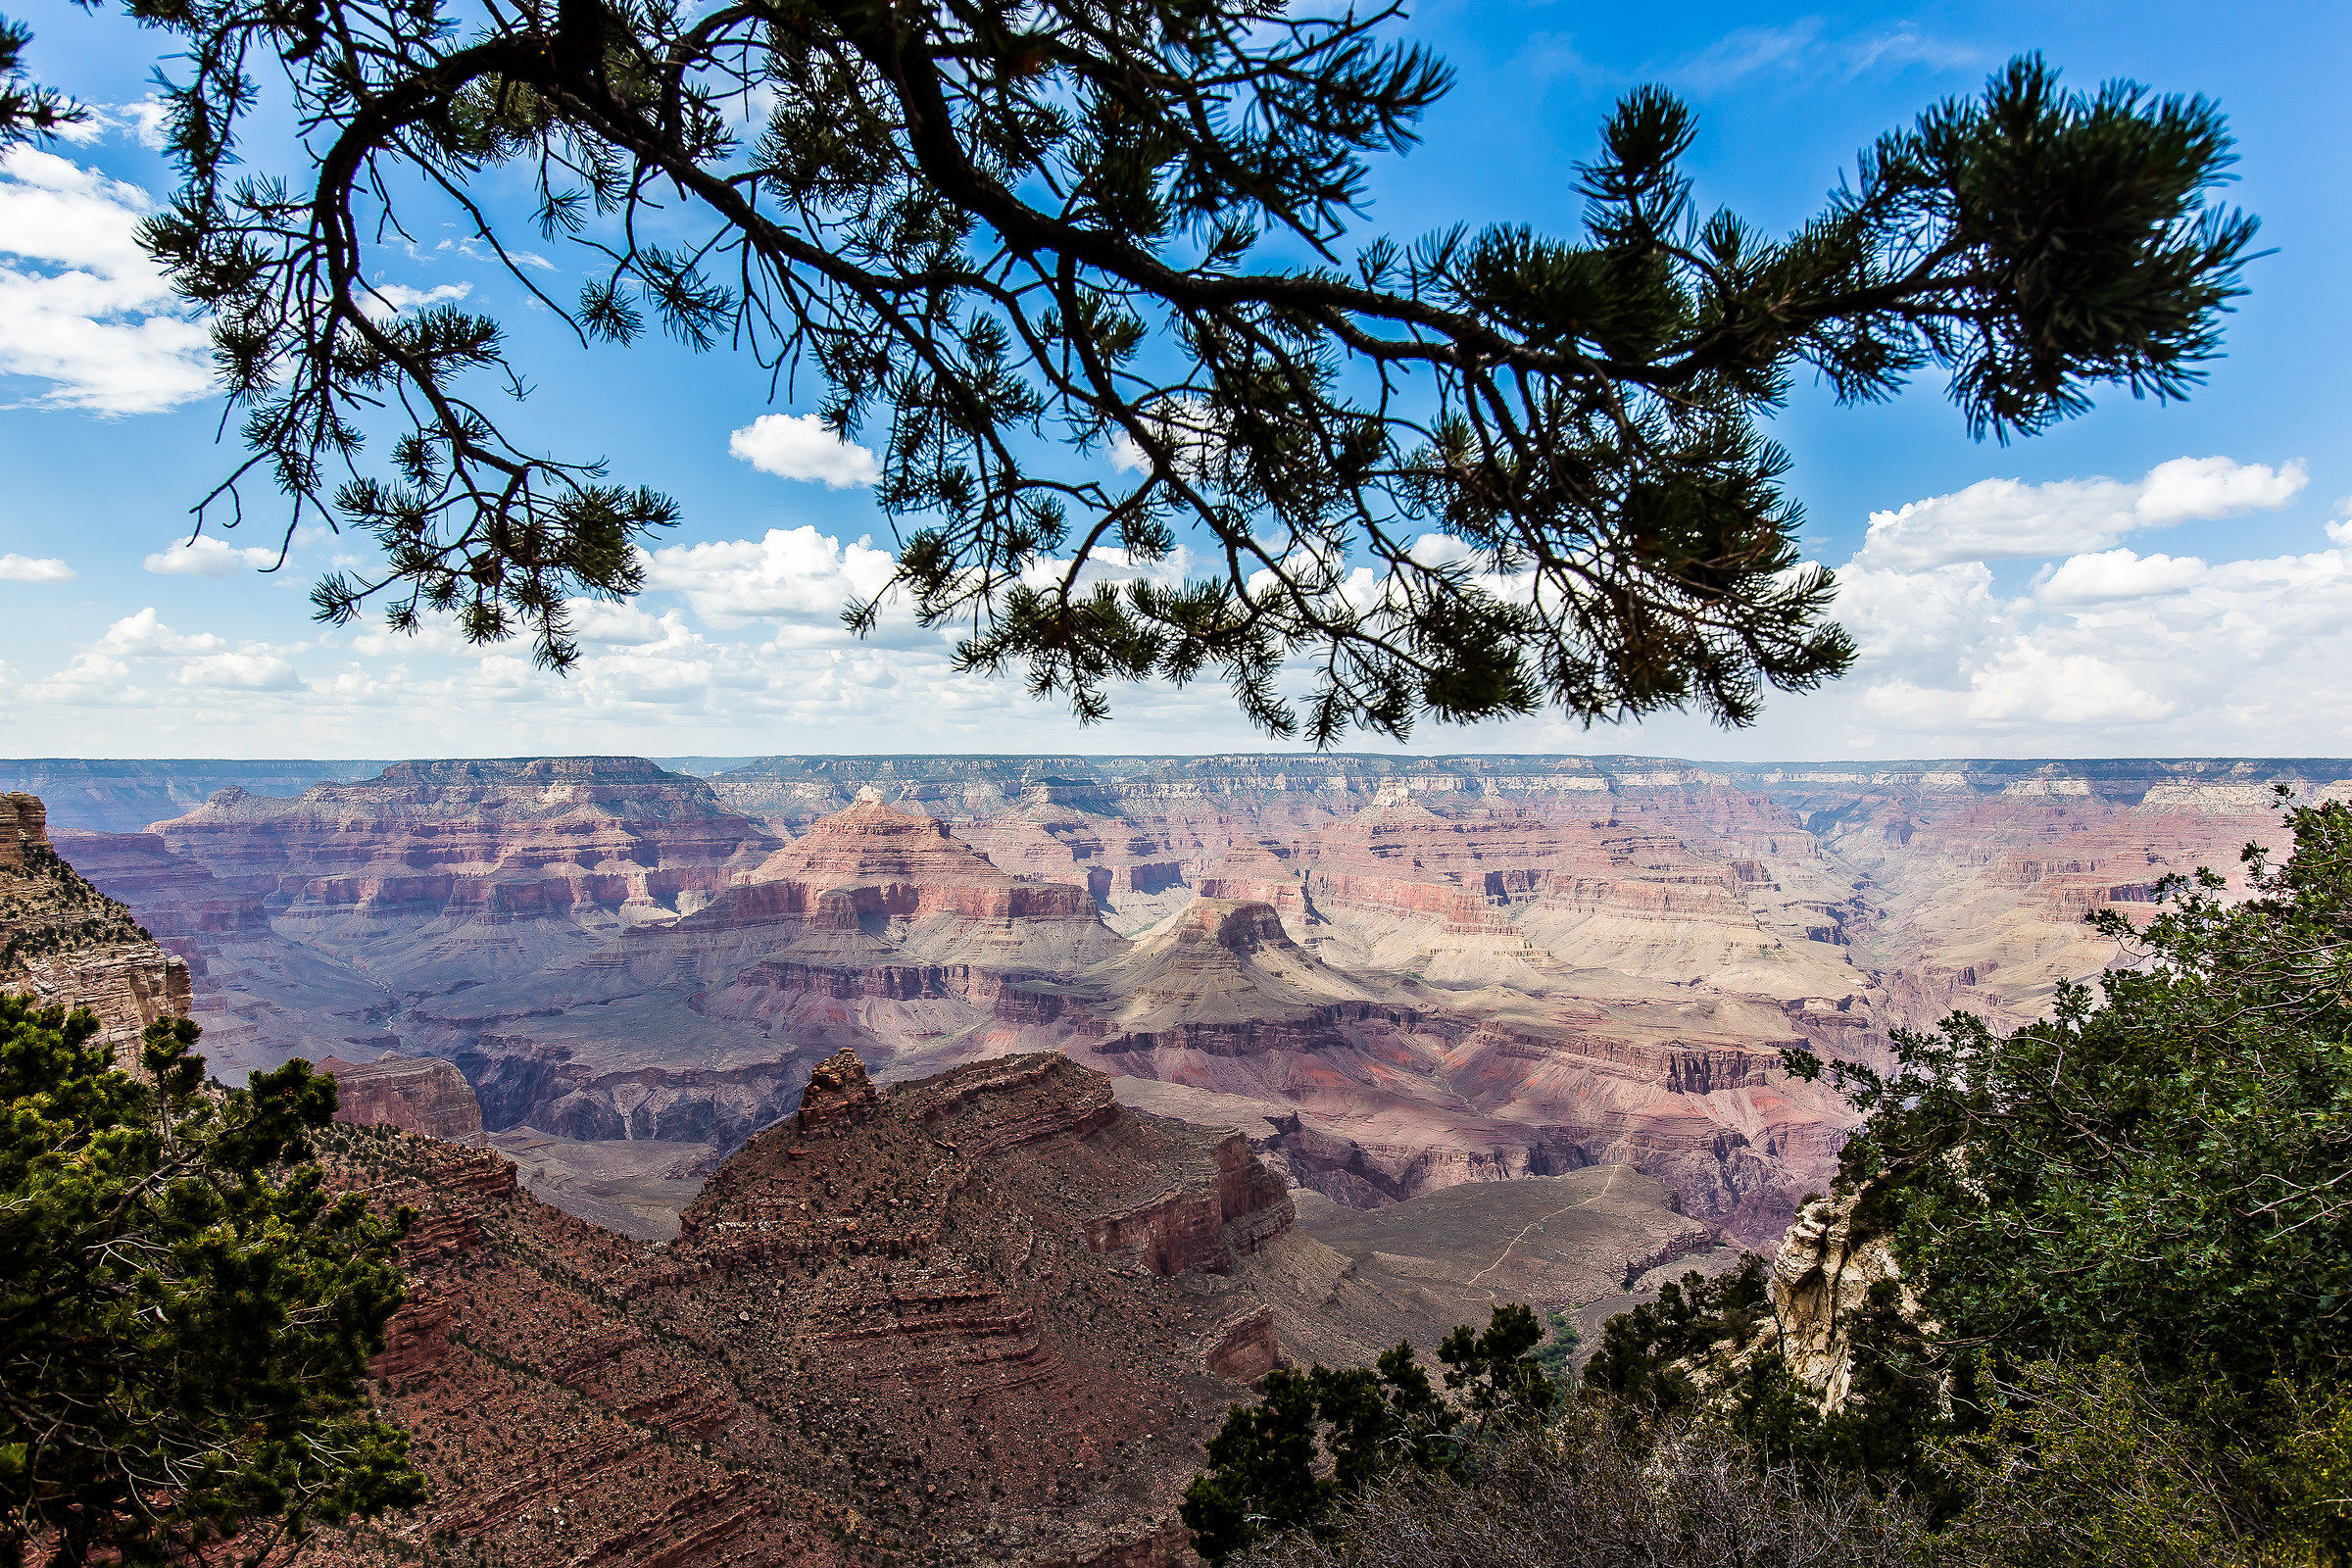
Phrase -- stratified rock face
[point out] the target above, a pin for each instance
(877, 930)
(1476, 968)
(975, 1323)
(70, 945)
(106, 795)
(440, 871)
(24, 829)
(421, 1096)
(904, 876)
(313, 919)
(839, 1091)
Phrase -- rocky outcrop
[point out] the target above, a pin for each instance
(839, 1093)
(421, 1096)
(70, 946)
(24, 829)
(1476, 968)
(967, 1320)
(1821, 1279)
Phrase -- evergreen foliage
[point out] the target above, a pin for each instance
(1643, 1354)
(987, 233)
(2163, 1173)
(2131, 1228)
(1318, 1437)
(185, 1316)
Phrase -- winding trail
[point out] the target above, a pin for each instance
(1504, 1255)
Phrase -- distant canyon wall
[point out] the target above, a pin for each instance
(1461, 968)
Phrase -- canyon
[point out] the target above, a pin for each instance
(1397, 975)
(67, 945)
(986, 1317)
(866, 1160)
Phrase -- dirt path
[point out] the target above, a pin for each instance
(1504, 1255)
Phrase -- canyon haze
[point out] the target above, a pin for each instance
(1395, 976)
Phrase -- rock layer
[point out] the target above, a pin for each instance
(69, 944)
(974, 1319)
(420, 1096)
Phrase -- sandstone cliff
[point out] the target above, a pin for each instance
(436, 871)
(1821, 1279)
(1488, 968)
(70, 945)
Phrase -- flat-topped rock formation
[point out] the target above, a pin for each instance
(434, 871)
(1475, 968)
(414, 1095)
(311, 919)
(87, 795)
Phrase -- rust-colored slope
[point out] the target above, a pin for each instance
(979, 1319)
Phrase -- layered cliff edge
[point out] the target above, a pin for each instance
(70, 945)
(986, 1317)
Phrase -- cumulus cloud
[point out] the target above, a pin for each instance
(205, 555)
(793, 575)
(239, 672)
(2106, 647)
(146, 122)
(2006, 519)
(802, 446)
(2118, 573)
(34, 569)
(82, 307)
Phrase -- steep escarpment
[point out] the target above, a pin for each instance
(1477, 968)
(877, 929)
(432, 872)
(313, 921)
(70, 945)
(420, 1096)
(109, 794)
(983, 1318)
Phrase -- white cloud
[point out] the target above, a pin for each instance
(145, 636)
(239, 672)
(802, 446)
(383, 300)
(205, 555)
(34, 569)
(2118, 573)
(2006, 519)
(1807, 50)
(788, 574)
(2105, 650)
(145, 122)
(83, 307)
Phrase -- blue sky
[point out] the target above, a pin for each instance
(2144, 580)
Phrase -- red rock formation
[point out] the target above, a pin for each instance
(24, 823)
(967, 1325)
(69, 944)
(838, 1093)
(596, 842)
(415, 1095)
